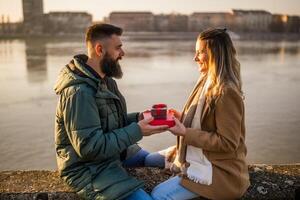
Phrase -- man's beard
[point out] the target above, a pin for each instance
(111, 67)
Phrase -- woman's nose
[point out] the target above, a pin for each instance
(196, 59)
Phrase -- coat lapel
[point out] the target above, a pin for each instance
(208, 108)
(188, 105)
(205, 111)
(186, 119)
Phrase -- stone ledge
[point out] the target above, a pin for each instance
(267, 182)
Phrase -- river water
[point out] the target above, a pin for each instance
(154, 71)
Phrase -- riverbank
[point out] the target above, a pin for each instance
(243, 36)
(147, 36)
(267, 182)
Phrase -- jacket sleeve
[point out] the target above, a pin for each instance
(82, 122)
(132, 117)
(229, 114)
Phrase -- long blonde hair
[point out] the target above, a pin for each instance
(223, 67)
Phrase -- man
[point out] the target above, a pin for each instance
(93, 132)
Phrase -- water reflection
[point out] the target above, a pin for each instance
(158, 48)
(29, 69)
(263, 48)
(5, 48)
(36, 60)
(37, 50)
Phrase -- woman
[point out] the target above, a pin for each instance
(210, 151)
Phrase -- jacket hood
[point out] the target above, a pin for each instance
(75, 73)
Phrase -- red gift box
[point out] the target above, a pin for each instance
(159, 111)
(157, 122)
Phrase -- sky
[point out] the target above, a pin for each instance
(102, 8)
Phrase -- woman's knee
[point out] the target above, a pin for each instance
(162, 190)
(158, 193)
(171, 189)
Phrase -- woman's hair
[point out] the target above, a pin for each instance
(223, 67)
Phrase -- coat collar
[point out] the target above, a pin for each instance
(206, 107)
(104, 92)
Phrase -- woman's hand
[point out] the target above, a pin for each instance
(170, 153)
(141, 115)
(176, 113)
(179, 129)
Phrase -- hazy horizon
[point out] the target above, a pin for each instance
(13, 8)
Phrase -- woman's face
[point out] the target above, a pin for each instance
(201, 57)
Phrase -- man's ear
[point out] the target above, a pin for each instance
(99, 50)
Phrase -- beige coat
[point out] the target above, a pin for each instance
(222, 139)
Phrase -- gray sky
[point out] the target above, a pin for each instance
(101, 8)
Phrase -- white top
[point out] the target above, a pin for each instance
(200, 169)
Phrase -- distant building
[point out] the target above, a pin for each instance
(161, 23)
(171, 23)
(36, 22)
(33, 14)
(252, 20)
(133, 21)
(10, 28)
(293, 24)
(67, 22)
(64, 23)
(178, 23)
(200, 21)
(278, 23)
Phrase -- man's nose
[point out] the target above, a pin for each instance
(122, 53)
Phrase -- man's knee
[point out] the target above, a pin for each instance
(154, 160)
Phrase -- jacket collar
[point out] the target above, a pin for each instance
(104, 92)
(78, 65)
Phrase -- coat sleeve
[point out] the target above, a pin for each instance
(229, 114)
(82, 122)
(132, 117)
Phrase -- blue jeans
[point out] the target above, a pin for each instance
(172, 190)
(143, 159)
(168, 190)
(140, 194)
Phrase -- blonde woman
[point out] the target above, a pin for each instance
(210, 150)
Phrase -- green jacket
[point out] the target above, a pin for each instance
(92, 129)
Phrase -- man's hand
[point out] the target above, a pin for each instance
(141, 116)
(179, 129)
(147, 129)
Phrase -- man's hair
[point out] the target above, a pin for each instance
(101, 31)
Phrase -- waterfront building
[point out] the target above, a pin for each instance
(133, 21)
(33, 16)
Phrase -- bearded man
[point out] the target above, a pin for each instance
(95, 137)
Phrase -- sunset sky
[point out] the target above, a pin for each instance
(100, 8)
